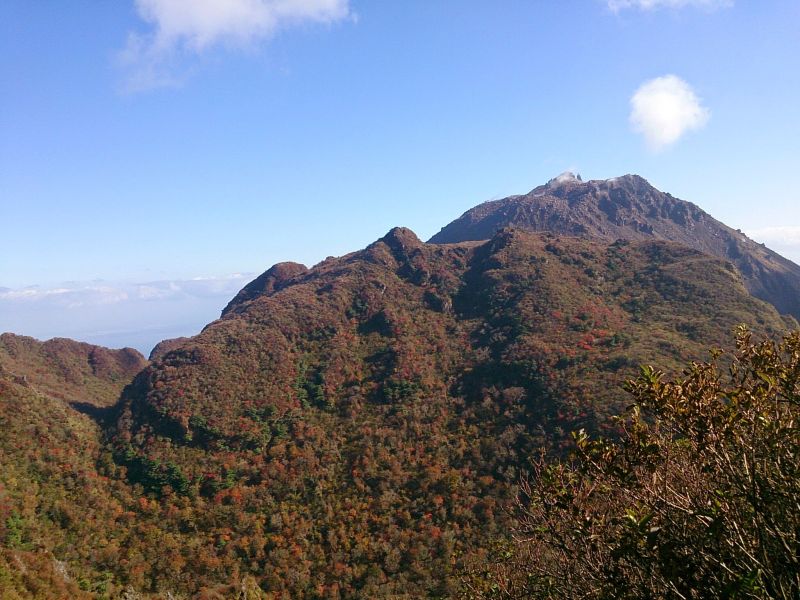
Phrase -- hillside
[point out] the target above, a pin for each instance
(70, 370)
(164, 346)
(630, 208)
(61, 507)
(355, 429)
(58, 516)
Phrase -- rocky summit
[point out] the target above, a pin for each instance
(629, 208)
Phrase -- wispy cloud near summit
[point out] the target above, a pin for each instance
(180, 29)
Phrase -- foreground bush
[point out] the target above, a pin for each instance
(699, 497)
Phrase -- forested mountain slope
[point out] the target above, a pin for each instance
(70, 370)
(64, 514)
(355, 430)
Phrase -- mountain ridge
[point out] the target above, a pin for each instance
(629, 207)
(399, 390)
(356, 429)
(70, 370)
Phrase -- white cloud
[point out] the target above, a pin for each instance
(118, 313)
(185, 28)
(786, 236)
(565, 177)
(77, 294)
(783, 239)
(155, 292)
(617, 5)
(31, 293)
(664, 109)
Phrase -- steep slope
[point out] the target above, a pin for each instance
(354, 430)
(70, 525)
(630, 208)
(52, 500)
(70, 370)
(62, 508)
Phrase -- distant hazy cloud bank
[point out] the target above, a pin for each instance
(784, 239)
(118, 314)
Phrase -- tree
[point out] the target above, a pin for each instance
(699, 497)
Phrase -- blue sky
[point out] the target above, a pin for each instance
(146, 142)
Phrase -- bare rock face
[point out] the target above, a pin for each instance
(629, 208)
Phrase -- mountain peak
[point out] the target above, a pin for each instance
(400, 241)
(629, 207)
(401, 237)
(271, 280)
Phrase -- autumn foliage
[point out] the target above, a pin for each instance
(355, 430)
(698, 498)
